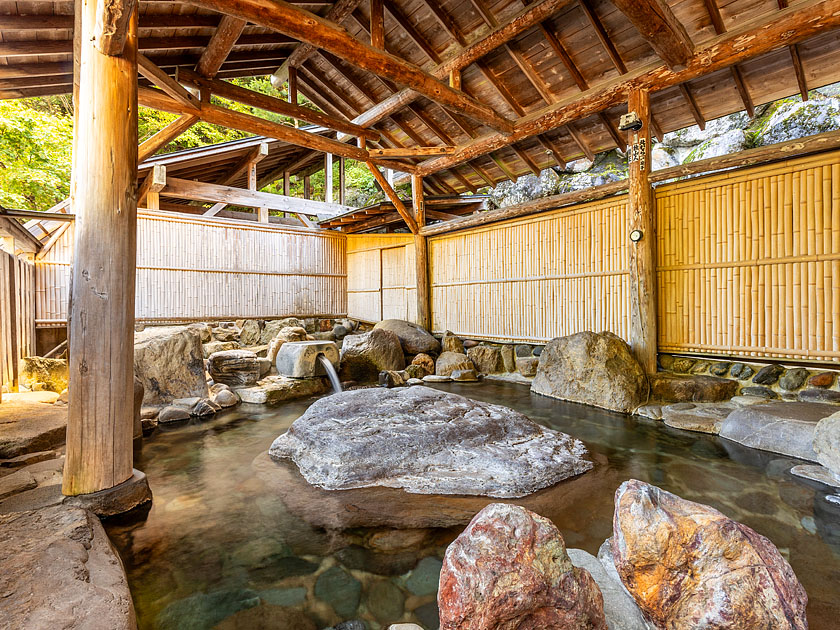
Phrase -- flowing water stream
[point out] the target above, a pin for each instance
(331, 373)
(217, 539)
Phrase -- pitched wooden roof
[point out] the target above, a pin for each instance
(561, 80)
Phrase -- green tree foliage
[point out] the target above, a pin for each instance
(36, 137)
(35, 153)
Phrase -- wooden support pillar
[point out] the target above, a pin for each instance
(287, 184)
(262, 213)
(642, 235)
(307, 187)
(342, 182)
(421, 256)
(100, 425)
(328, 177)
(293, 88)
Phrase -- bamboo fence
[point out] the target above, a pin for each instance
(17, 315)
(749, 262)
(534, 278)
(380, 277)
(194, 268)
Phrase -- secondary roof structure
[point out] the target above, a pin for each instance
(516, 86)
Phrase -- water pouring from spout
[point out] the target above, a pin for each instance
(331, 373)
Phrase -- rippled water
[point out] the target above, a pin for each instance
(218, 540)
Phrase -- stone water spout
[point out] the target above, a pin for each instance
(305, 359)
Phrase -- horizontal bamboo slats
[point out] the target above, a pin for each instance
(534, 278)
(191, 268)
(380, 277)
(17, 315)
(749, 262)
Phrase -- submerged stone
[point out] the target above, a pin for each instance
(428, 442)
(425, 576)
(510, 569)
(689, 566)
(340, 590)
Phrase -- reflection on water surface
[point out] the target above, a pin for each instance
(219, 540)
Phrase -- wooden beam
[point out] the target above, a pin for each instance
(562, 53)
(328, 177)
(339, 11)
(342, 182)
(271, 104)
(166, 83)
(464, 181)
(300, 24)
(521, 22)
(413, 34)
(113, 18)
(642, 250)
(252, 158)
(215, 209)
(293, 86)
(527, 159)
(252, 124)
(100, 419)
(603, 36)
(741, 85)
(409, 152)
(153, 183)
(748, 41)
(392, 195)
(201, 191)
(715, 16)
(685, 90)
(377, 24)
(578, 139)
(619, 140)
(657, 25)
(222, 42)
(796, 60)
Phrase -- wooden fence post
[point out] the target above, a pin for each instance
(421, 255)
(101, 325)
(642, 235)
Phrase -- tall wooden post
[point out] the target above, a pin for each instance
(101, 406)
(421, 255)
(307, 187)
(287, 185)
(342, 182)
(328, 177)
(642, 235)
(293, 88)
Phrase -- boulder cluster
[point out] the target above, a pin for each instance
(671, 564)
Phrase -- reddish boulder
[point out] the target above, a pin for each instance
(689, 566)
(509, 570)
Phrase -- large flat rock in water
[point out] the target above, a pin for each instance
(60, 571)
(780, 427)
(428, 442)
(28, 426)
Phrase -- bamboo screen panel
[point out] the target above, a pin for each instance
(380, 277)
(534, 278)
(17, 315)
(749, 261)
(191, 268)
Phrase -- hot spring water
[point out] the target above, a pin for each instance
(331, 373)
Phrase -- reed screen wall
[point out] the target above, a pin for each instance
(534, 278)
(193, 268)
(749, 261)
(17, 315)
(381, 277)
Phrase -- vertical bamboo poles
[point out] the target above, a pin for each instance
(101, 406)
(642, 250)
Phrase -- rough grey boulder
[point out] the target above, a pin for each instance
(426, 442)
(591, 368)
(452, 343)
(364, 356)
(701, 417)
(60, 571)
(284, 336)
(249, 335)
(274, 326)
(449, 362)
(235, 367)
(779, 427)
(827, 443)
(413, 338)
(170, 363)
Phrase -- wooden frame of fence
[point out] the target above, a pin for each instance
(17, 316)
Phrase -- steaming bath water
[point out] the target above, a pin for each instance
(217, 539)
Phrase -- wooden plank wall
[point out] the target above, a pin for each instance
(17, 315)
(749, 261)
(534, 278)
(195, 268)
(380, 277)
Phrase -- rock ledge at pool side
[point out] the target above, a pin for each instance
(426, 442)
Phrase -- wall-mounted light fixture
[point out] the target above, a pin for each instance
(636, 235)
